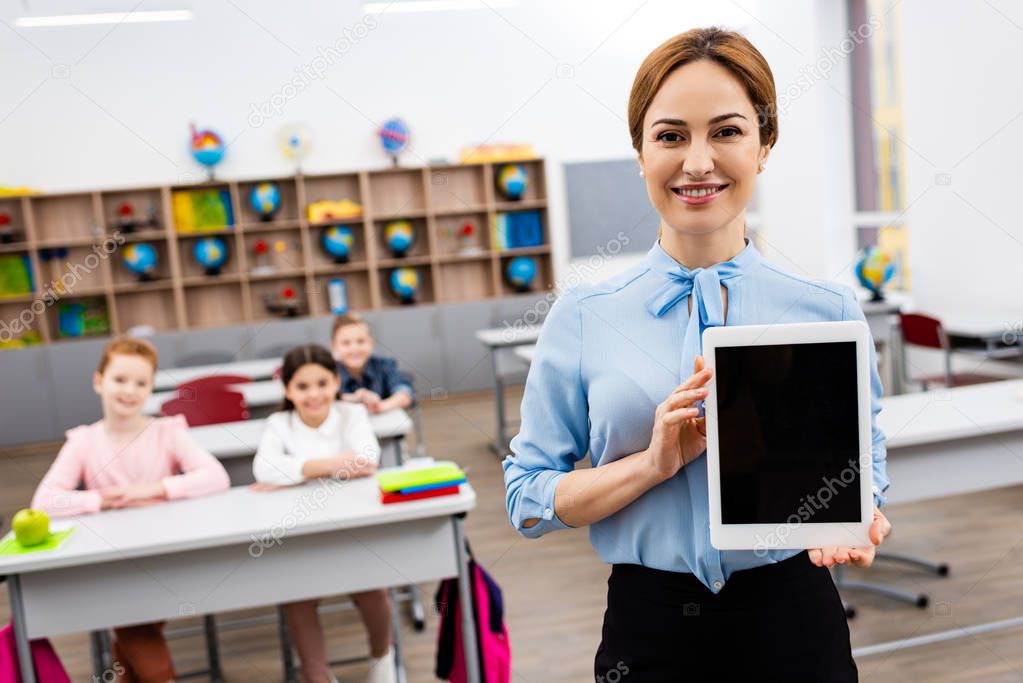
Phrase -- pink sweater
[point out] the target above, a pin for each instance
(163, 452)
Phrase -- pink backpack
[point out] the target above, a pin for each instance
(48, 666)
(491, 633)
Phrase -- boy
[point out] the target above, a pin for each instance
(368, 379)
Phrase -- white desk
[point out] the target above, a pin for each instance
(236, 550)
(235, 443)
(170, 378)
(500, 341)
(268, 392)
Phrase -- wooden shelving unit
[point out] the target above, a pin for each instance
(76, 239)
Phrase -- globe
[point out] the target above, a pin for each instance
(210, 253)
(337, 241)
(521, 272)
(394, 135)
(294, 142)
(207, 147)
(265, 199)
(141, 259)
(874, 269)
(512, 181)
(405, 284)
(399, 236)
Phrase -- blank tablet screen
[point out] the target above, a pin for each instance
(788, 433)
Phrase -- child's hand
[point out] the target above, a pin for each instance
(372, 401)
(132, 495)
(350, 465)
(266, 487)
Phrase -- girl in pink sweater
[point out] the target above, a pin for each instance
(128, 459)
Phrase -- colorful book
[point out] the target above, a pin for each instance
(405, 478)
(388, 498)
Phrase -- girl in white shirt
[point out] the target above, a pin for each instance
(316, 436)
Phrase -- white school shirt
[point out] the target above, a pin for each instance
(287, 442)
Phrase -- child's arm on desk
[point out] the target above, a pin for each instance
(56, 493)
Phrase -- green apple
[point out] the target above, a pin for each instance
(31, 527)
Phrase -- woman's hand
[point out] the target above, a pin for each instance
(679, 436)
(133, 495)
(859, 557)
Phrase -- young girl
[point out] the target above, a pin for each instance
(316, 436)
(126, 460)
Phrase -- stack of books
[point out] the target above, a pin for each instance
(416, 483)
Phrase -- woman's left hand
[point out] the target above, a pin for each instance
(859, 557)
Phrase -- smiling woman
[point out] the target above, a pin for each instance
(617, 374)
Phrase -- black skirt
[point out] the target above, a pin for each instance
(779, 622)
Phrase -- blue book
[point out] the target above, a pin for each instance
(435, 485)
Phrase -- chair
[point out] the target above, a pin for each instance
(217, 383)
(208, 407)
(925, 331)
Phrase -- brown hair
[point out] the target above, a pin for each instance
(127, 346)
(304, 355)
(729, 49)
(346, 319)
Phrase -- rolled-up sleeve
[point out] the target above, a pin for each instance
(879, 453)
(554, 430)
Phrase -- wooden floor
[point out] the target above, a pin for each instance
(555, 587)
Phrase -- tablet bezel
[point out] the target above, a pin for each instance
(796, 534)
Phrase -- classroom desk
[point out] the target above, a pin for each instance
(500, 341)
(170, 378)
(265, 393)
(237, 550)
(990, 336)
(235, 443)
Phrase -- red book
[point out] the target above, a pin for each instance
(396, 497)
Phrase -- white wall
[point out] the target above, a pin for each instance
(86, 107)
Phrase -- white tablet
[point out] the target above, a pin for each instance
(788, 435)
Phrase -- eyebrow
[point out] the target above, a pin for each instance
(716, 119)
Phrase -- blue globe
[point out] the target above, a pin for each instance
(405, 284)
(210, 253)
(512, 180)
(141, 259)
(521, 272)
(337, 241)
(265, 200)
(399, 236)
(394, 136)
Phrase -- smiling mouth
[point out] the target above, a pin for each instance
(698, 193)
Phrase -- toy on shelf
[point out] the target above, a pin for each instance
(15, 276)
(338, 241)
(54, 257)
(207, 148)
(512, 181)
(83, 318)
(405, 284)
(126, 220)
(326, 211)
(202, 210)
(399, 237)
(467, 239)
(337, 292)
(495, 153)
(261, 250)
(7, 232)
(265, 199)
(294, 143)
(874, 269)
(517, 229)
(211, 254)
(521, 272)
(394, 137)
(141, 259)
(28, 338)
(286, 304)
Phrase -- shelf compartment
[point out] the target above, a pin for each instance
(279, 297)
(148, 307)
(397, 192)
(69, 270)
(190, 268)
(79, 317)
(202, 209)
(319, 256)
(544, 280)
(64, 217)
(456, 188)
(450, 239)
(426, 288)
(12, 224)
(420, 243)
(356, 286)
(338, 187)
(121, 275)
(288, 211)
(213, 305)
(465, 280)
(20, 323)
(536, 181)
(281, 250)
(146, 211)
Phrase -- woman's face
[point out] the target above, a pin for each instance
(701, 149)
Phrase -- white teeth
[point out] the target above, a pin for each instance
(698, 193)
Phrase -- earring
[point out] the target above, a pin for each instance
(640, 173)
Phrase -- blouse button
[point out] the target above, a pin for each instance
(717, 585)
(547, 513)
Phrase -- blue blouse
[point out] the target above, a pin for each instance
(608, 354)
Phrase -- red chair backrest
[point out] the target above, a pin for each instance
(922, 330)
(208, 407)
(211, 382)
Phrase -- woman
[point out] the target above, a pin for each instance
(606, 379)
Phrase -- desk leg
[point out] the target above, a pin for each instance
(472, 666)
(25, 663)
(500, 446)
